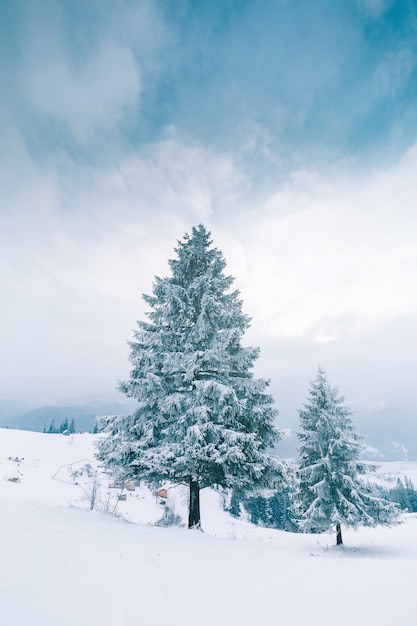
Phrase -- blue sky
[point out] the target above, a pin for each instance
(288, 127)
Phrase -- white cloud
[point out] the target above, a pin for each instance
(86, 97)
(327, 257)
(374, 9)
(79, 248)
(394, 71)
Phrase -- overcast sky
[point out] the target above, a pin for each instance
(287, 127)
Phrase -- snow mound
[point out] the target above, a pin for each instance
(63, 564)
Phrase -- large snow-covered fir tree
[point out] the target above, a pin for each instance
(330, 488)
(203, 419)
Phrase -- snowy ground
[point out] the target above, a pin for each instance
(62, 564)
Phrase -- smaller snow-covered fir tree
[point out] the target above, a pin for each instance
(330, 490)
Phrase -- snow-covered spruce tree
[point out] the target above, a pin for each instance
(330, 490)
(203, 419)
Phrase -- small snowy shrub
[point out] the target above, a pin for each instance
(169, 518)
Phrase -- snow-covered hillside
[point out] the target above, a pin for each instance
(62, 564)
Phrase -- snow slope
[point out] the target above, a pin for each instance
(62, 564)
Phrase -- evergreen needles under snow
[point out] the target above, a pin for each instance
(203, 419)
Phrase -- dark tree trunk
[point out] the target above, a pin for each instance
(339, 540)
(194, 510)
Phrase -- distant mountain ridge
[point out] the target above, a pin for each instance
(84, 413)
(390, 429)
(12, 408)
(41, 418)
